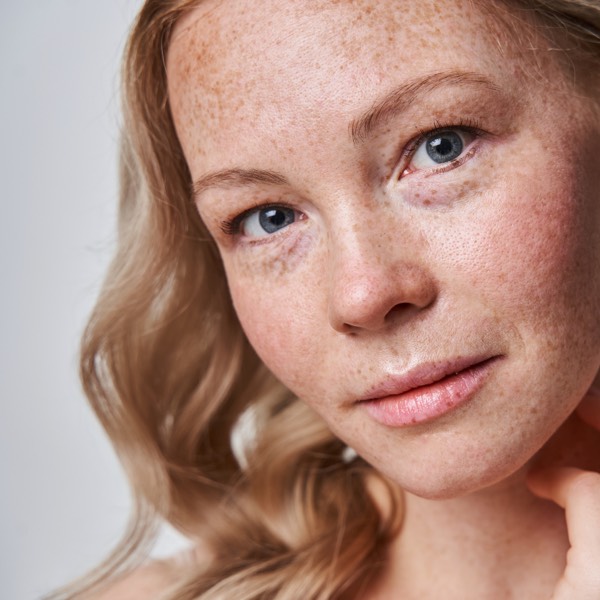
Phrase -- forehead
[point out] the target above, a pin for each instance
(282, 67)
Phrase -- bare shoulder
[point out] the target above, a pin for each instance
(145, 583)
(152, 580)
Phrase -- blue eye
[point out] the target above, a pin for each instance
(267, 221)
(440, 147)
(444, 147)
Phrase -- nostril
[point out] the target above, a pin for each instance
(401, 307)
(398, 309)
(379, 319)
(402, 312)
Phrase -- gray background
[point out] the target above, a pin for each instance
(63, 499)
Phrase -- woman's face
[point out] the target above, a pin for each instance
(401, 191)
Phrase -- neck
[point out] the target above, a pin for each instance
(499, 542)
(494, 542)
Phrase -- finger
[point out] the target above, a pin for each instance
(589, 408)
(578, 492)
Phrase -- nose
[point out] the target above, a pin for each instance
(372, 285)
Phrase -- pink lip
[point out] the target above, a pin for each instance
(427, 391)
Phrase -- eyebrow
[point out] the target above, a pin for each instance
(237, 178)
(400, 98)
(361, 128)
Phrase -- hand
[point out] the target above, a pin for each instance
(578, 492)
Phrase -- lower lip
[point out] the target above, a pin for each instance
(429, 402)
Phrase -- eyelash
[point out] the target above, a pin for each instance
(472, 126)
(232, 226)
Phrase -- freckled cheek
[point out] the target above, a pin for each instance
(278, 299)
(527, 244)
(541, 225)
(283, 332)
(546, 242)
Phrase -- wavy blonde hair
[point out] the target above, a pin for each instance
(170, 373)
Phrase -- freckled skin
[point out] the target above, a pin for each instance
(495, 256)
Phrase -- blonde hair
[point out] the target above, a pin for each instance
(170, 373)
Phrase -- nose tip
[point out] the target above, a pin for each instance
(369, 299)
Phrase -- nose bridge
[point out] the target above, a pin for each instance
(376, 273)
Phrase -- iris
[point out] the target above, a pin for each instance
(274, 219)
(444, 147)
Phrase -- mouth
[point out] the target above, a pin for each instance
(428, 391)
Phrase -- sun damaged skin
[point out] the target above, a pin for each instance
(394, 186)
(387, 265)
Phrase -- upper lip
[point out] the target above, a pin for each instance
(421, 375)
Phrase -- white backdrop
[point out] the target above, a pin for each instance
(63, 499)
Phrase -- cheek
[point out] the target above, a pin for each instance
(528, 250)
(278, 294)
(531, 258)
(532, 242)
(280, 333)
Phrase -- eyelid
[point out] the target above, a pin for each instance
(233, 226)
(467, 125)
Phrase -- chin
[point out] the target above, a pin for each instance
(449, 481)
(444, 490)
(456, 488)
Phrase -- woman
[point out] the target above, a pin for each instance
(394, 207)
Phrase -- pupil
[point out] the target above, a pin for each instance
(445, 147)
(277, 217)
